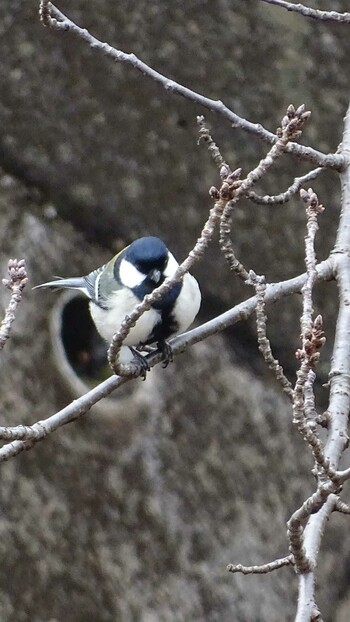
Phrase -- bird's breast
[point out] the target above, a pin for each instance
(121, 303)
(172, 316)
(187, 303)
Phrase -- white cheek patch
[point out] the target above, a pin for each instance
(171, 267)
(129, 275)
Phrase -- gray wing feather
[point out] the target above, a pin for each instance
(75, 282)
(99, 285)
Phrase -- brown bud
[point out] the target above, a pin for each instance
(235, 174)
(225, 191)
(214, 193)
(318, 322)
(285, 121)
(306, 115)
(224, 171)
(299, 111)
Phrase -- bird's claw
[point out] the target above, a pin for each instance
(141, 361)
(166, 350)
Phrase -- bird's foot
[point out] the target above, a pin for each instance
(141, 361)
(146, 348)
(166, 350)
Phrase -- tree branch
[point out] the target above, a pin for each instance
(55, 19)
(341, 507)
(292, 124)
(306, 597)
(326, 16)
(15, 283)
(339, 402)
(258, 282)
(230, 184)
(305, 549)
(318, 520)
(313, 339)
(27, 436)
(313, 533)
(284, 197)
(263, 569)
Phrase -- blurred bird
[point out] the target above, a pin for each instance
(118, 286)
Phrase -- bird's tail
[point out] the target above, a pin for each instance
(75, 282)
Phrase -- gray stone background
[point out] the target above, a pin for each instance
(133, 512)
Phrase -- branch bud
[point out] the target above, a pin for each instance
(224, 171)
(214, 193)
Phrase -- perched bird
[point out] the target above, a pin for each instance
(118, 286)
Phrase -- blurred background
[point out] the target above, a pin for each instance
(133, 512)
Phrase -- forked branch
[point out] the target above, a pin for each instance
(291, 127)
(284, 197)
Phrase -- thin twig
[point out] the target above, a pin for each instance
(56, 20)
(313, 339)
(230, 182)
(205, 136)
(310, 412)
(41, 429)
(342, 476)
(292, 125)
(304, 412)
(304, 562)
(326, 16)
(342, 507)
(284, 197)
(264, 568)
(15, 283)
(313, 210)
(258, 282)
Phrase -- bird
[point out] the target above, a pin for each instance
(118, 286)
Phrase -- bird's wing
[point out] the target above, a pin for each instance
(98, 285)
(92, 284)
(103, 282)
(75, 282)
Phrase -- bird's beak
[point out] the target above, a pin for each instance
(155, 276)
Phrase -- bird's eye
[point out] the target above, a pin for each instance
(142, 267)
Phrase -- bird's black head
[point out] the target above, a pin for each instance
(146, 254)
(143, 266)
